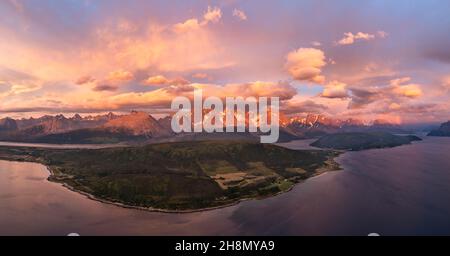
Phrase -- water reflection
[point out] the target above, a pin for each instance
(403, 190)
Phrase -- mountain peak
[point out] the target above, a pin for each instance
(138, 123)
(60, 116)
(8, 124)
(77, 117)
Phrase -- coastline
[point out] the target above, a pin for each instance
(332, 166)
(329, 165)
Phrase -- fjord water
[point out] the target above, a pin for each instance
(397, 191)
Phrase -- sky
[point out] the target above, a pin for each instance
(370, 60)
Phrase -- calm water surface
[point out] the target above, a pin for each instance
(398, 191)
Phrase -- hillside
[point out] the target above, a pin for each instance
(443, 131)
(179, 176)
(360, 141)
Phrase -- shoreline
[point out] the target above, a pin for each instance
(329, 165)
(325, 170)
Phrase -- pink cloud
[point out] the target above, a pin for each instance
(305, 64)
(350, 38)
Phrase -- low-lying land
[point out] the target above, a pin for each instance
(360, 141)
(179, 176)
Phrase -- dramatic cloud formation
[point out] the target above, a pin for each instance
(162, 97)
(305, 64)
(93, 56)
(393, 94)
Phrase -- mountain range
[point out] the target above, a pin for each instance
(142, 127)
(314, 125)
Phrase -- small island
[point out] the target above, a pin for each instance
(178, 177)
(355, 141)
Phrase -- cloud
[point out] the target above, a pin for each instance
(406, 90)
(188, 25)
(409, 90)
(382, 34)
(396, 92)
(307, 106)
(305, 64)
(399, 81)
(162, 97)
(114, 44)
(24, 87)
(445, 82)
(335, 89)
(85, 80)
(200, 75)
(160, 80)
(110, 83)
(239, 14)
(283, 90)
(120, 76)
(213, 14)
(156, 80)
(15, 83)
(350, 38)
(143, 39)
(362, 97)
(394, 106)
(407, 108)
(105, 87)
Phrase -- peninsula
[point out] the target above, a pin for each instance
(178, 177)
